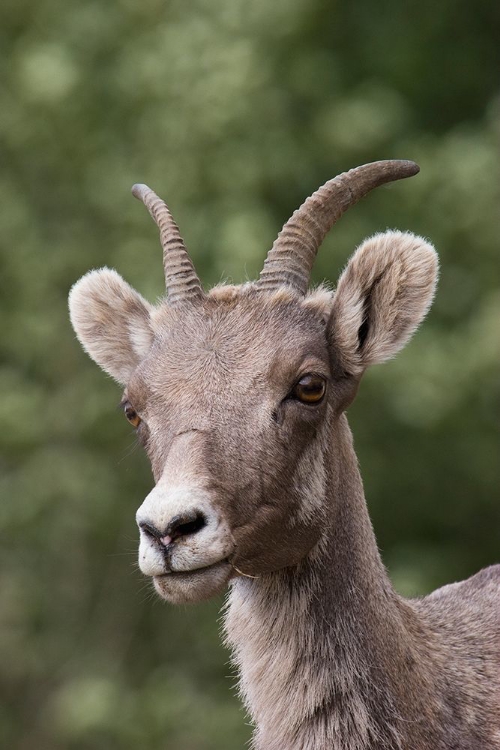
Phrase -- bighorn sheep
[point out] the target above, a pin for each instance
(239, 398)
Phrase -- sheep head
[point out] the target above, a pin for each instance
(234, 393)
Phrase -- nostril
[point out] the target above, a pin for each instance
(180, 526)
(185, 525)
(149, 530)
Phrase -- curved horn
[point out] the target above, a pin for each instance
(181, 279)
(291, 258)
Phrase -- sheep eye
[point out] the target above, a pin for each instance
(310, 389)
(132, 415)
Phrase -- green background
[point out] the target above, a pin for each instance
(234, 111)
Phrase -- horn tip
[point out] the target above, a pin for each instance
(139, 191)
(410, 168)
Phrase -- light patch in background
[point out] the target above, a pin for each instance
(47, 72)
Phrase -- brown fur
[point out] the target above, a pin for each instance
(330, 657)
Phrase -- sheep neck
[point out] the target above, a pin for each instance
(329, 655)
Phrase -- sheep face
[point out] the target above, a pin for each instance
(232, 399)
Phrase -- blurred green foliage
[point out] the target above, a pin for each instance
(234, 111)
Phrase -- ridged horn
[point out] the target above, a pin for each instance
(291, 258)
(181, 279)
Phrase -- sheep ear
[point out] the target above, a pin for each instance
(382, 296)
(112, 322)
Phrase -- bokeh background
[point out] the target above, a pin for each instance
(234, 111)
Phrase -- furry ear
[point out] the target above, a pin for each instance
(382, 296)
(112, 322)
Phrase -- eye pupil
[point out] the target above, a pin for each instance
(310, 389)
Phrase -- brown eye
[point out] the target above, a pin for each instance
(310, 389)
(132, 416)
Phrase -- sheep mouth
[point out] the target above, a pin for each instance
(179, 574)
(194, 585)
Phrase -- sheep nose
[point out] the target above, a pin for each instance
(183, 525)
